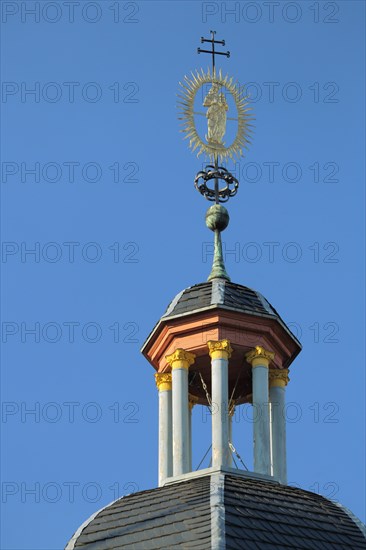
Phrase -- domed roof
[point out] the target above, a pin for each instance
(220, 293)
(222, 510)
(223, 295)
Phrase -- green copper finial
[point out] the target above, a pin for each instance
(217, 219)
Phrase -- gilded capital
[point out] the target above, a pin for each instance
(278, 378)
(192, 401)
(219, 349)
(259, 357)
(180, 359)
(163, 381)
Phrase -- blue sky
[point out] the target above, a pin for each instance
(117, 230)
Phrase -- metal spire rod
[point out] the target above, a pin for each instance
(216, 181)
(213, 52)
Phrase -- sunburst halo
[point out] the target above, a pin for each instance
(187, 95)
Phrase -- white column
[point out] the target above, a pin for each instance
(220, 352)
(180, 361)
(259, 358)
(164, 385)
(278, 379)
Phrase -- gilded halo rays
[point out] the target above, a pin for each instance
(189, 89)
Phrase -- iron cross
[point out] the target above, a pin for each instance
(213, 52)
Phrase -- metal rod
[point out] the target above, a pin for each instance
(204, 114)
(206, 453)
(222, 42)
(216, 53)
(213, 52)
(216, 181)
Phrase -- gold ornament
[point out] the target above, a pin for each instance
(217, 107)
(163, 381)
(278, 377)
(219, 349)
(259, 357)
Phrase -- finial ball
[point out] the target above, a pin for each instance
(217, 217)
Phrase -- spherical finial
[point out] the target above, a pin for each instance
(217, 217)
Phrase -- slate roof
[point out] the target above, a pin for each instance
(220, 511)
(268, 515)
(219, 293)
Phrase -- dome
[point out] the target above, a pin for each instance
(220, 510)
(232, 301)
(222, 294)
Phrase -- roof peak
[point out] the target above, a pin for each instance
(212, 471)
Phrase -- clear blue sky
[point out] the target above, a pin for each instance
(114, 181)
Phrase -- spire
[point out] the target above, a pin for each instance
(217, 219)
(215, 182)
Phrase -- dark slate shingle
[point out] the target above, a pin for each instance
(258, 515)
(280, 517)
(167, 517)
(233, 296)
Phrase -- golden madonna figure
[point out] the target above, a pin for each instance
(216, 115)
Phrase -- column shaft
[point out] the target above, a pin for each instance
(180, 361)
(278, 379)
(180, 422)
(164, 384)
(220, 417)
(220, 352)
(259, 359)
(262, 460)
(165, 436)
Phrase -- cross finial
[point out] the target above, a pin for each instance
(213, 52)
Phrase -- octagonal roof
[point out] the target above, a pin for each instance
(221, 293)
(224, 295)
